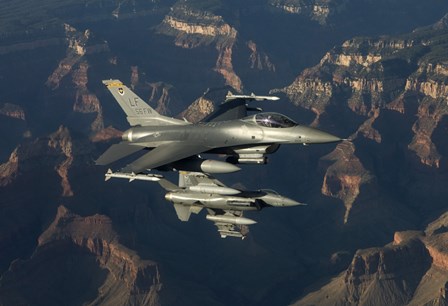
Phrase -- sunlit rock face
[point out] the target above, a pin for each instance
(122, 277)
(193, 28)
(411, 270)
(318, 10)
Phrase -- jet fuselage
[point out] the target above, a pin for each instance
(246, 200)
(224, 134)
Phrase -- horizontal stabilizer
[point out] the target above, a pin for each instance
(183, 212)
(167, 185)
(116, 152)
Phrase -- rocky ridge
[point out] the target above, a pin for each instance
(318, 10)
(9, 170)
(12, 111)
(373, 75)
(61, 141)
(345, 176)
(408, 271)
(165, 97)
(193, 28)
(80, 44)
(58, 144)
(199, 109)
(76, 48)
(130, 280)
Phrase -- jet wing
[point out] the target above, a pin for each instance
(235, 107)
(164, 154)
(228, 229)
(116, 152)
(188, 179)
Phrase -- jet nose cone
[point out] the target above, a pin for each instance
(323, 137)
(290, 202)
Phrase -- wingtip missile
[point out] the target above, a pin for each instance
(230, 97)
(132, 176)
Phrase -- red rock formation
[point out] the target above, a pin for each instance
(129, 279)
(315, 10)
(367, 130)
(140, 279)
(344, 177)
(184, 23)
(77, 47)
(61, 140)
(193, 28)
(259, 60)
(165, 98)
(198, 110)
(224, 66)
(106, 134)
(9, 170)
(86, 102)
(64, 68)
(13, 111)
(430, 112)
(413, 270)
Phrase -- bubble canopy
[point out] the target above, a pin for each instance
(274, 120)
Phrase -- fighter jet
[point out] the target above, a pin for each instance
(175, 144)
(225, 205)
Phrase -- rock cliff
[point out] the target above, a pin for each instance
(62, 142)
(193, 28)
(165, 97)
(12, 111)
(366, 79)
(412, 270)
(80, 44)
(127, 280)
(345, 176)
(58, 144)
(318, 10)
(9, 170)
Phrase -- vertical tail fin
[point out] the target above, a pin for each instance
(138, 111)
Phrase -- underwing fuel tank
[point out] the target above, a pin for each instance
(214, 189)
(231, 219)
(205, 165)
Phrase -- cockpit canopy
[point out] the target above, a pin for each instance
(270, 191)
(274, 120)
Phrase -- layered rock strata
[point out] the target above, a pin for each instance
(412, 270)
(128, 279)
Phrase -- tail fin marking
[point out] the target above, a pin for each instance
(138, 112)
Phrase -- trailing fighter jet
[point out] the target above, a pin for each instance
(176, 144)
(225, 205)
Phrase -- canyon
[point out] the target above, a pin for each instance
(374, 229)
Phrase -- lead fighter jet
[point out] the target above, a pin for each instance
(176, 144)
(225, 205)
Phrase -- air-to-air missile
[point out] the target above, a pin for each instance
(132, 176)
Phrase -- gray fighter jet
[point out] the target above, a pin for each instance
(176, 144)
(225, 205)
